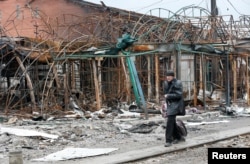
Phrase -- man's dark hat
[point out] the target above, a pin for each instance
(170, 73)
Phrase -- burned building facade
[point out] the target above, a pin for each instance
(100, 56)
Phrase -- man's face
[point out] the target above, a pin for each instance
(169, 78)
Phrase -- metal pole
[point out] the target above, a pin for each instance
(214, 10)
(228, 82)
(204, 79)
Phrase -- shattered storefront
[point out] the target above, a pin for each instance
(117, 58)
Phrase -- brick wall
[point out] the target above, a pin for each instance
(17, 19)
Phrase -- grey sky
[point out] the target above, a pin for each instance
(225, 7)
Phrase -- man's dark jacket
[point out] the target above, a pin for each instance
(174, 100)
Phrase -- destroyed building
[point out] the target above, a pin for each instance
(99, 56)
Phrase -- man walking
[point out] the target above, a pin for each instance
(175, 105)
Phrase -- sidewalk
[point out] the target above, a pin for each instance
(159, 150)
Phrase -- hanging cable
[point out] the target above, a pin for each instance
(234, 7)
